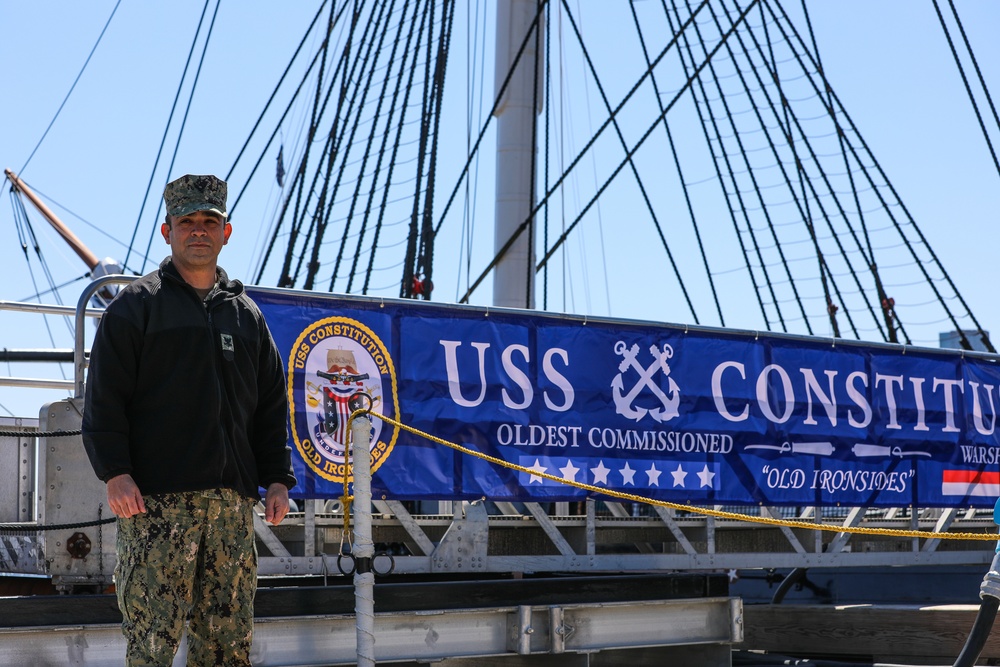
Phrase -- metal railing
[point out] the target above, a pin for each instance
(80, 313)
(594, 537)
(79, 356)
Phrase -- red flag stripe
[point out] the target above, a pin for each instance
(971, 476)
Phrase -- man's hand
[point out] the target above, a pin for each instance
(276, 503)
(124, 497)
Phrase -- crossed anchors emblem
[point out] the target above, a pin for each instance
(624, 402)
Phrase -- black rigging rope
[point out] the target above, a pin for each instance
(886, 303)
(381, 153)
(834, 235)
(614, 174)
(291, 102)
(404, 105)
(56, 288)
(294, 185)
(975, 63)
(520, 229)
(785, 128)
(888, 333)
(751, 173)
(343, 129)
(71, 88)
(548, 116)
(631, 163)
(317, 113)
(743, 153)
(808, 181)
(163, 142)
(496, 104)
(475, 92)
(718, 170)
(680, 172)
(791, 119)
(298, 186)
(648, 131)
(426, 265)
(26, 233)
(805, 210)
(386, 11)
(965, 81)
(27, 528)
(406, 285)
(96, 228)
(187, 111)
(6, 433)
(274, 93)
(529, 278)
(962, 338)
(359, 97)
(359, 65)
(809, 186)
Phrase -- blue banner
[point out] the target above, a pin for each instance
(683, 415)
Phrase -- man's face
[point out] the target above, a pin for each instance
(196, 239)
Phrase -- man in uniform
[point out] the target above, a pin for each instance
(184, 421)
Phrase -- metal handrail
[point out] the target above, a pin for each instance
(80, 312)
(44, 309)
(79, 356)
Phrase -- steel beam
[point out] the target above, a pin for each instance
(421, 636)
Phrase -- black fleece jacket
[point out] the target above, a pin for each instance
(186, 395)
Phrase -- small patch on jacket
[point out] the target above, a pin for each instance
(228, 348)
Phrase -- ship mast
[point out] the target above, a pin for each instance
(97, 267)
(84, 253)
(513, 278)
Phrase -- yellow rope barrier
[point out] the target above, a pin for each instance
(686, 508)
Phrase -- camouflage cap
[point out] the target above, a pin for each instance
(195, 193)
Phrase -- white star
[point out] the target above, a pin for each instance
(600, 473)
(654, 475)
(679, 476)
(569, 471)
(706, 477)
(628, 475)
(538, 467)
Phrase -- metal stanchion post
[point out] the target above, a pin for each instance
(364, 547)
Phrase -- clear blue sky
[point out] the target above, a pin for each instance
(888, 62)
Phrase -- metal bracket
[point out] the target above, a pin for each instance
(560, 630)
(463, 547)
(521, 631)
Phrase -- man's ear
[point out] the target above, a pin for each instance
(227, 229)
(165, 230)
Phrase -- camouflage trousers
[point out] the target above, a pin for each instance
(191, 557)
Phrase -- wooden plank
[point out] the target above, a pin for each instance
(879, 632)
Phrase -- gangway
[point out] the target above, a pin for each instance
(55, 526)
(47, 481)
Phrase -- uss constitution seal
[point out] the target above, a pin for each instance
(335, 363)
